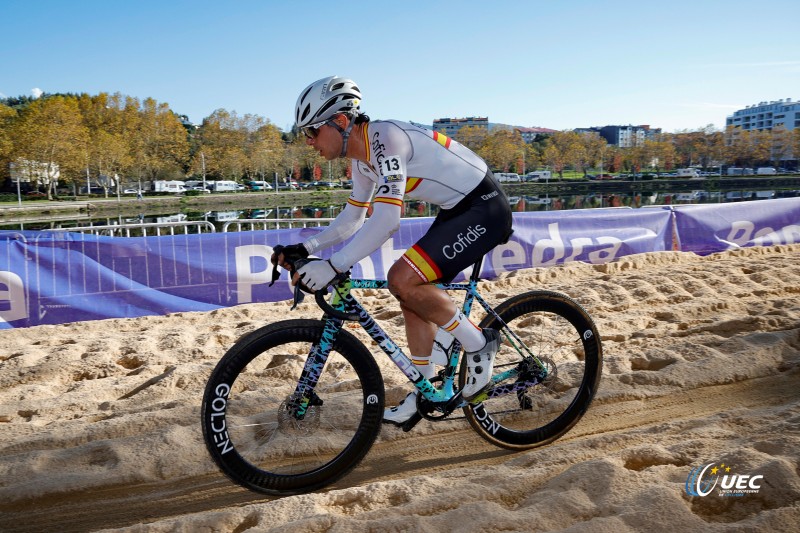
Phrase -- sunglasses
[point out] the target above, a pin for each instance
(312, 131)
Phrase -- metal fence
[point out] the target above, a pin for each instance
(268, 223)
(157, 229)
(141, 229)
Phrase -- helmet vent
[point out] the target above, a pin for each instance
(337, 87)
(330, 103)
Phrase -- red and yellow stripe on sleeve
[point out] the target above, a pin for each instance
(357, 203)
(442, 139)
(422, 264)
(387, 200)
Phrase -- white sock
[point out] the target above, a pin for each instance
(467, 333)
(424, 365)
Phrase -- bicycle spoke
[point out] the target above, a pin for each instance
(279, 447)
(553, 379)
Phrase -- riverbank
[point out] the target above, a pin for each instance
(130, 206)
(714, 184)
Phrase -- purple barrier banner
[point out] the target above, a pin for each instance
(53, 278)
(706, 229)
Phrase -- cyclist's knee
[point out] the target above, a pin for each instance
(401, 279)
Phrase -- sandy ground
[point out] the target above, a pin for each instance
(99, 421)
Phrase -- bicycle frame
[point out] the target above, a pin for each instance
(343, 300)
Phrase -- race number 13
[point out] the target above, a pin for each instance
(391, 165)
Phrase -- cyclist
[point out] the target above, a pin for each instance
(401, 159)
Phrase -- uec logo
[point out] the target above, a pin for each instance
(702, 481)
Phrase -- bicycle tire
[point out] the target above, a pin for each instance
(245, 424)
(560, 332)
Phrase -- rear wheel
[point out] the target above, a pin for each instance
(249, 425)
(560, 334)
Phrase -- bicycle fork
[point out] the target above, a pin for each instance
(304, 396)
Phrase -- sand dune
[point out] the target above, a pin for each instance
(99, 421)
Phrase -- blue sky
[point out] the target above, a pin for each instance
(675, 65)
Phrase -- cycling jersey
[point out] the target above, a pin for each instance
(402, 160)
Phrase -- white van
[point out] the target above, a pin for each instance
(175, 186)
(537, 175)
(223, 186)
(687, 173)
(766, 171)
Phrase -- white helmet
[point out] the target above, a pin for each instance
(325, 98)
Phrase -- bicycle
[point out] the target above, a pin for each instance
(295, 405)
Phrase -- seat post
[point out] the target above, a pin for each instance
(476, 270)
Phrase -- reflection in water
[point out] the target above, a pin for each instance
(415, 208)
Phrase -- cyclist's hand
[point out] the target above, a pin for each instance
(285, 256)
(316, 274)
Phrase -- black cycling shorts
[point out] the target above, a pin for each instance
(460, 236)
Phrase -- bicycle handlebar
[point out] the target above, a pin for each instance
(319, 296)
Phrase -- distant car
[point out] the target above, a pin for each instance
(347, 184)
(605, 177)
(326, 185)
(35, 194)
(130, 191)
(198, 188)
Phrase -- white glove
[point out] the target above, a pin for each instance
(317, 275)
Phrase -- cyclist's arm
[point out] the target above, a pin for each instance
(387, 209)
(349, 220)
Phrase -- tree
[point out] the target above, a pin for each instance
(796, 143)
(222, 141)
(265, 151)
(50, 132)
(473, 137)
(162, 145)
(688, 145)
(738, 148)
(7, 118)
(781, 145)
(561, 150)
(761, 144)
(593, 151)
(712, 147)
(502, 149)
(111, 138)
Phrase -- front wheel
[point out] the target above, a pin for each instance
(558, 332)
(252, 431)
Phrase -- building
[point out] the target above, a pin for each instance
(628, 136)
(450, 126)
(33, 172)
(767, 115)
(624, 136)
(529, 135)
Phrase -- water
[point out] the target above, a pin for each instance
(519, 203)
